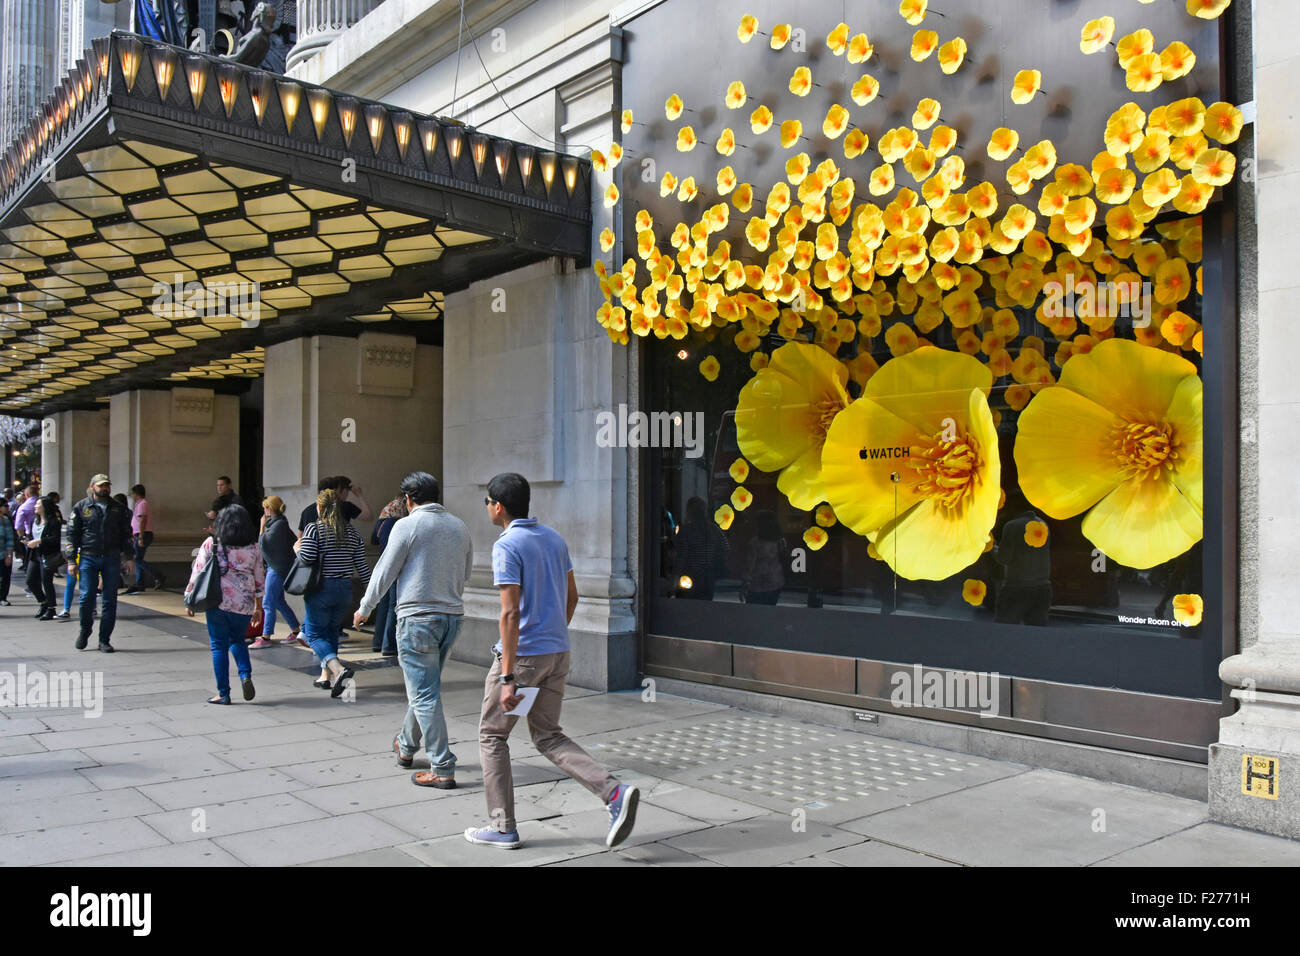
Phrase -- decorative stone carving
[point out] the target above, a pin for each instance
(385, 364)
(192, 409)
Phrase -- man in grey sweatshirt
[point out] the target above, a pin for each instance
(429, 557)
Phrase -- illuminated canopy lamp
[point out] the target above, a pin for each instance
(347, 108)
(403, 124)
(318, 105)
(428, 139)
(99, 58)
(80, 81)
(526, 155)
(570, 166)
(376, 119)
(129, 52)
(454, 137)
(196, 72)
(548, 162)
(478, 144)
(228, 85)
(501, 150)
(290, 100)
(164, 61)
(259, 91)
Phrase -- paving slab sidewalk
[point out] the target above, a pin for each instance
(297, 778)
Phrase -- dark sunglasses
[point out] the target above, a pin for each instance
(489, 501)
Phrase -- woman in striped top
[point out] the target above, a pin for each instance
(333, 542)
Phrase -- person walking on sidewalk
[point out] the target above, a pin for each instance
(426, 564)
(233, 545)
(276, 541)
(336, 544)
(99, 530)
(8, 544)
(142, 531)
(384, 639)
(73, 579)
(43, 550)
(531, 567)
(23, 518)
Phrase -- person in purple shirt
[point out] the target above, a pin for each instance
(24, 517)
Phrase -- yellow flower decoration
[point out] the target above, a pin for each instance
(739, 471)
(860, 49)
(973, 592)
(1188, 609)
(926, 113)
(760, 121)
(1214, 167)
(855, 144)
(783, 414)
(1115, 186)
(836, 122)
(1096, 34)
(951, 55)
(1035, 534)
(1152, 153)
(1003, 143)
(882, 180)
(615, 154)
(743, 197)
(1119, 437)
(1136, 44)
(815, 538)
(1185, 117)
(942, 140)
(1207, 9)
(673, 107)
(837, 41)
(741, 498)
(686, 139)
(924, 42)
(791, 130)
(1026, 84)
(611, 195)
(687, 191)
(1223, 122)
(925, 418)
(780, 35)
(724, 516)
(825, 516)
(796, 168)
(626, 124)
(606, 240)
(726, 144)
(913, 11)
(599, 162)
(1124, 131)
(745, 32)
(736, 96)
(801, 81)
(1144, 73)
(726, 180)
(1176, 60)
(709, 368)
(865, 89)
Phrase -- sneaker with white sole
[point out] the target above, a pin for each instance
(490, 836)
(622, 814)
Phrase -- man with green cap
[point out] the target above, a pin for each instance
(100, 528)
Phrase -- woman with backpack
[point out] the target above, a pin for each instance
(332, 541)
(46, 547)
(233, 545)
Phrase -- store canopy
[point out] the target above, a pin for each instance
(169, 214)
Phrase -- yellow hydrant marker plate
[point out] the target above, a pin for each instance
(1260, 776)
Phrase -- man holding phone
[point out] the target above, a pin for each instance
(533, 652)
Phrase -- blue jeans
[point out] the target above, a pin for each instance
(274, 601)
(326, 609)
(423, 643)
(226, 631)
(139, 545)
(69, 586)
(92, 569)
(385, 637)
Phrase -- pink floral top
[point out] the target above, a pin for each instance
(243, 575)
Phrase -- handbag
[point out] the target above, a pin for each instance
(305, 577)
(206, 593)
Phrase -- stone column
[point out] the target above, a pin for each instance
(321, 22)
(74, 446)
(1265, 675)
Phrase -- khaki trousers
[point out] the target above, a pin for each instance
(547, 672)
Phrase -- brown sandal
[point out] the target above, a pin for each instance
(427, 778)
(402, 759)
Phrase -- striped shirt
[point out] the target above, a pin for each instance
(339, 560)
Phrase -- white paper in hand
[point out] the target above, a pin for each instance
(529, 694)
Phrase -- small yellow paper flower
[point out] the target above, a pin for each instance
(780, 35)
(709, 368)
(1214, 167)
(687, 191)
(743, 197)
(951, 55)
(860, 49)
(913, 11)
(1096, 34)
(1207, 9)
(1223, 122)
(882, 180)
(724, 516)
(1003, 143)
(739, 471)
(855, 143)
(741, 498)
(611, 195)
(791, 130)
(745, 32)
(735, 95)
(1185, 117)
(974, 591)
(801, 81)
(942, 140)
(1136, 44)
(825, 516)
(626, 124)
(606, 240)
(865, 89)
(1188, 609)
(599, 162)
(924, 42)
(760, 121)
(686, 139)
(726, 180)
(837, 41)
(726, 144)
(1152, 153)
(926, 114)
(837, 120)
(1035, 534)
(815, 538)
(796, 168)
(1115, 186)
(1026, 84)
(1124, 130)
(1176, 60)
(673, 107)
(1144, 73)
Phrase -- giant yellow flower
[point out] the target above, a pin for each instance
(783, 415)
(1119, 437)
(925, 417)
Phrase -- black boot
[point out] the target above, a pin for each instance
(48, 614)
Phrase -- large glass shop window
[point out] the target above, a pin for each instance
(1019, 440)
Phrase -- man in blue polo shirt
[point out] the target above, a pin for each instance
(531, 567)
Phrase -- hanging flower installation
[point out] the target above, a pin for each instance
(839, 282)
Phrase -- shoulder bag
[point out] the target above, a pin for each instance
(206, 593)
(305, 577)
